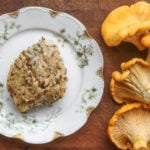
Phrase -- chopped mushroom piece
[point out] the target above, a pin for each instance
(129, 24)
(133, 84)
(129, 127)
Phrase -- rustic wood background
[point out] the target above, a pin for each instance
(91, 13)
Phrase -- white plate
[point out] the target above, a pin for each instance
(82, 57)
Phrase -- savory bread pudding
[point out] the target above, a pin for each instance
(37, 77)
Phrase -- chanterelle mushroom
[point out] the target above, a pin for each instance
(133, 84)
(129, 24)
(129, 128)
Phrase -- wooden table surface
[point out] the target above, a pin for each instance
(93, 135)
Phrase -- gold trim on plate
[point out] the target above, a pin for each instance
(57, 135)
(89, 110)
(100, 72)
(14, 14)
(86, 34)
(53, 13)
(19, 136)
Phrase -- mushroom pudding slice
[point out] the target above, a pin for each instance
(129, 127)
(38, 76)
(133, 84)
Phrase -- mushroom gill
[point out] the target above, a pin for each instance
(129, 127)
(133, 84)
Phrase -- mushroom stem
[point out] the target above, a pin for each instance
(148, 56)
(139, 143)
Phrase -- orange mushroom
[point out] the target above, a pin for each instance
(129, 127)
(133, 83)
(128, 24)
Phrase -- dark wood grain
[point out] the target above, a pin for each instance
(93, 135)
